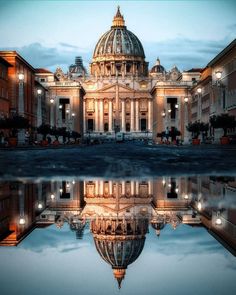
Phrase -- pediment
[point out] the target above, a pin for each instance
(112, 88)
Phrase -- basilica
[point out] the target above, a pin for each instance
(121, 94)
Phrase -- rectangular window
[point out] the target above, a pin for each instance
(172, 101)
(143, 124)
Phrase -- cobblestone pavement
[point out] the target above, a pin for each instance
(117, 160)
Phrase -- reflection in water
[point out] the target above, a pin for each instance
(119, 212)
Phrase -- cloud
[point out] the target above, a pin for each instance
(40, 56)
(183, 52)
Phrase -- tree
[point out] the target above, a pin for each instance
(44, 129)
(14, 124)
(223, 121)
(196, 128)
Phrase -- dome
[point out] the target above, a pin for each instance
(119, 41)
(157, 68)
(119, 252)
(119, 241)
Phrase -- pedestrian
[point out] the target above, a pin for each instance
(167, 134)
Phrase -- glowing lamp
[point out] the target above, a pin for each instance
(22, 221)
(218, 75)
(21, 77)
(186, 99)
(39, 91)
(199, 90)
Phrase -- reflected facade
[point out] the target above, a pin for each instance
(120, 212)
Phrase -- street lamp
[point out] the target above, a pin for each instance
(199, 205)
(176, 106)
(186, 197)
(163, 113)
(60, 106)
(22, 221)
(21, 108)
(199, 90)
(186, 99)
(73, 114)
(218, 75)
(40, 205)
(21, 77)
(39, 108)
(218, 219)
(52, 196)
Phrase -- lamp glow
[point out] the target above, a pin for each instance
(22, 221)
(60, 106)
(39, 91)
(21, 77)
(186, 197)
(199, 90)
(199, 206)
(176, 106)
(40, 206)
(52, 196)
(61, 190)
(51, 100)
(73, 114)
(169, 111)
(186, 99)
(218, 75)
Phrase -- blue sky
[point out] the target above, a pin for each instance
(184, 261)
(51, 33)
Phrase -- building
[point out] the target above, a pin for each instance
(4, 99)
(21, 87)
(215, 92)
(120, 94)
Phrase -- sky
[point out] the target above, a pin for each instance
(49, 34)
(184, 261)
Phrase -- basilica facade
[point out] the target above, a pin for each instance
(120, 94)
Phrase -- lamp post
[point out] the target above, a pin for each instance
(186, 135)
(21, 108)
(39, 108)
(21, 192)
(199, 91)
(51, 112)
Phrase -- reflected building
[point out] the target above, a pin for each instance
(120, 211)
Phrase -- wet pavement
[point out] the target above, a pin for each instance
(118, 160)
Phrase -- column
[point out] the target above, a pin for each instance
(110, 187)
(150, 119)
(132, 187)
(101, 187)
(101, 116)
(96, 115)
(39, 111)
(137, 188)
(110, 116)
(96, 187)
(132, 115)
(84, 116)
(123, 115)
(122, 188)
(150, 188)
(137, 115)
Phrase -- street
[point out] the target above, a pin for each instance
(115, 160)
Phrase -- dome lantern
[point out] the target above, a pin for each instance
(118, 20)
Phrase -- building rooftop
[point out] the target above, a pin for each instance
(42, 71)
